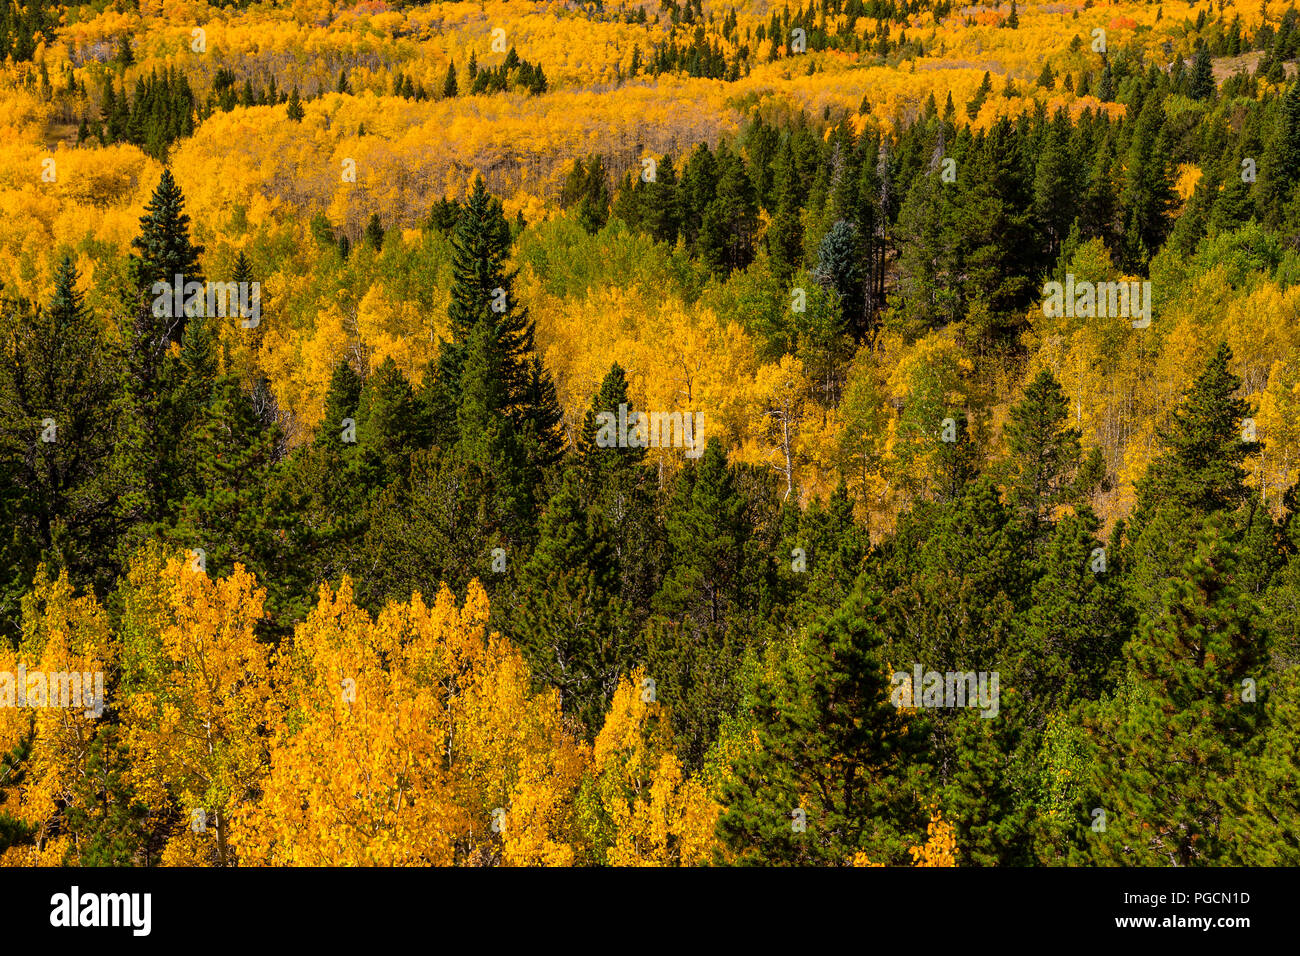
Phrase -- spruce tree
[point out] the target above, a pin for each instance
(163, 251)
(695, 638)
(482, 293)
(57, 392)
(230, 513)
(1200, 467)
(618, 486)
(827, 777)
(374, 234)
(785, 235)
(1046, 467)
(570, 622)
(1170, 759)
(730, 220)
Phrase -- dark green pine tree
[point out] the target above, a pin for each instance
(928, 237)
(229, 513)
(660, 207)
(449, 86)
(784, 236)
(1057, 183)
(1000, 246)
(329, 481)
(242, 276)
(586, 188)
(981, 788)
(1077, 622)
(569, 621)
(57, 391)
(374, 234)
(389, 426)
(695, 638)
(1200, 467)
(834, 547)
(1280, 164)
(618, 485)
(483, 292)
(109, 825)
(1106, 83)
(163, 251)
(1170, 760)
(828, 777)
(1148, 194)
(341, 402)
(1099, 213)
(295, 111)
(955, 576)
(1045, 467)
(981, 94)
(730, 221)
(488, 445)
(541, 433)
(1200, 85)
(698, 187)
(124, 57)
(189, 383)
(1268, 801)
(1199, 473)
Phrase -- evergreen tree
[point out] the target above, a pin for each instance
(618, 486)
(482, 293)
(827, 778)
(163, 251)
(1170, 759)
(1199, 469)
(374, 235)
(570, 621)
(785, 235)
(587, 188)
(730, 221)
(1046, 467)
(109, 823)
(840, 267)
(694, 640)
(124, 57)
(57, 393)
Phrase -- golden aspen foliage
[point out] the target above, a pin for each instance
(940, 847)
(196, 689)
(67, 641)
(657, 816)
(411, 740)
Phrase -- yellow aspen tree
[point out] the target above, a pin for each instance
(658, 816)
(411, 739)
(196, 685)
(783, 396)
(67, 661)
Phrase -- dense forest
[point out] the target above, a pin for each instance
(640, 434)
